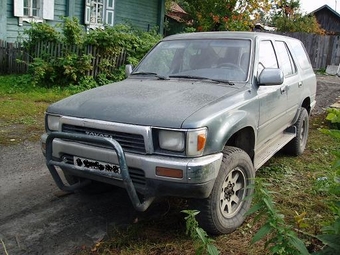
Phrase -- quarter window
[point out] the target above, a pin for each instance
(285, 58)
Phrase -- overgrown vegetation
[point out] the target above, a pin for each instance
(72, 63)
(282, 239)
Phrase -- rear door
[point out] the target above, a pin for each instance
(292, 82)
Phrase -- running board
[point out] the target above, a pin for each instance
(273, 146)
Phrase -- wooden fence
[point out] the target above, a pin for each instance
(323, 50)
(14, 58)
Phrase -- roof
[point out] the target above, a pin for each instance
(226, 34)
(176, 8)
(328, 8)
(176, 12)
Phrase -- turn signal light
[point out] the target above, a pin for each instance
(201, 139)
(169, 172)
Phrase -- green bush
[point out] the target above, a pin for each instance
(73, 62)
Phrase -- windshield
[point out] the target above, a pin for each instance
(218, 59)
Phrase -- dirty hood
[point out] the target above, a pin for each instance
(149, 102)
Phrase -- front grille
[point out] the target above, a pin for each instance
(129, 142)
(137, 175)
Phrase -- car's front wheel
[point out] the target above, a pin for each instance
(224, 210)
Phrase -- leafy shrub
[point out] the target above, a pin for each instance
(73, 62)
(334, 117)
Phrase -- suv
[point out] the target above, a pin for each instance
(195, 119)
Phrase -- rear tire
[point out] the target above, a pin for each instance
(223, 211)
(297, 146)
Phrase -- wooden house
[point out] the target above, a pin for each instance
(176, 19)
(16, 15)
(328, 19)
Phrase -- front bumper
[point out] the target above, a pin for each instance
(199, 174)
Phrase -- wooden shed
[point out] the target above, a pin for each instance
(16, 15)
(328, 19)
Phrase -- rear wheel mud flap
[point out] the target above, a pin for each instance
(138, 205)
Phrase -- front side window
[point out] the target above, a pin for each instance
(267, 56)
(99, 13)
(223, 59)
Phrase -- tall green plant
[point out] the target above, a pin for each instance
(281, 239)
(205, 244)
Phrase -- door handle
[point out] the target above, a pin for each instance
(300, 84)
(283, 89)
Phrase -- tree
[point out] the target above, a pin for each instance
(288, 18)
(214, 15)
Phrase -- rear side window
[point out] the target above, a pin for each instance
(285, 59)
(300, 54)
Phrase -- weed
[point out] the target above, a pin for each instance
(205, 244)
(281, 239)
(4, 246)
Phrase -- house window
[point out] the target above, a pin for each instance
(33, 10)
(99, 13)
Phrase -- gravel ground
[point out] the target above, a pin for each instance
(37, 218)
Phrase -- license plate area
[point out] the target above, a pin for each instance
(97, 166)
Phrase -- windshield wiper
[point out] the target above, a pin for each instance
(189, 77)
(202, 78)
(161, 77)
(223, 81)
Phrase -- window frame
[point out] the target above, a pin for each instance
(24, 10)
(259, 55)
(91, 11)
(293, 66)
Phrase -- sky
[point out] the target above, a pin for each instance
(311, 5)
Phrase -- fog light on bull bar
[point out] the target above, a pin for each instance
(169, 172)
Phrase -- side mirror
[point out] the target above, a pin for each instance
(271, 76)
(128, 70)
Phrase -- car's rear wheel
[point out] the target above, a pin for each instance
(297, 146)
(224, 210)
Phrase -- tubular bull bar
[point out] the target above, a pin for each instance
(113, 144)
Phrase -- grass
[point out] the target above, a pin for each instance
(22, 108)
(301, 183)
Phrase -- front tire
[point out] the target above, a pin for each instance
(223, 211)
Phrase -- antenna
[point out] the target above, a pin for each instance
(336, 5)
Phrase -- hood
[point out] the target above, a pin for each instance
(149, 102)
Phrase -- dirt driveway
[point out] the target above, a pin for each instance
(37, 218)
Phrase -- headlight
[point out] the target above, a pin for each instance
(171, 140)
(53, 122)
(192, 142)
(196, 140)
